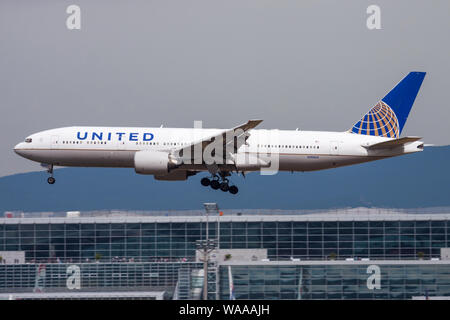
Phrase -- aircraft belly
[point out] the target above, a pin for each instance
(319, 162)
(125, 158)
(302, 162)
(84, 158)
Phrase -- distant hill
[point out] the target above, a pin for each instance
(417, 180)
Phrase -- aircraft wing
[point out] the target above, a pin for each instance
(391, 143)
(238, 135)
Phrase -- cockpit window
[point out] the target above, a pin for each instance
(28, 140)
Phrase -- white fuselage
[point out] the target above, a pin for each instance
(116, 146)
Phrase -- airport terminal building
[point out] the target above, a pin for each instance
(337, 254)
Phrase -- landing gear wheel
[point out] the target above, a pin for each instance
(224, 186)
(233, 189)
(50, 180)
(215, 184)
(205, 182)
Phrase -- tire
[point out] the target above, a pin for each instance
(224, 186)
(51, 180)
(205, 182)
(233, 189)
(215, 184)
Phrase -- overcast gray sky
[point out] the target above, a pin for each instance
(304, 63)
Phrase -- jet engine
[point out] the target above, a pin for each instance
(153, 162)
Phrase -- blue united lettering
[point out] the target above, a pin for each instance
(79, 137)
(98, 136)
(148, 137)
(133, 136)
(121, 136)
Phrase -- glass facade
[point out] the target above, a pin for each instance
(105, 277)
(375, 280)
(150, 239)
(259, 280)
(75, 242)
(157, 253)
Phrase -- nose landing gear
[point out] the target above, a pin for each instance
(50, 179)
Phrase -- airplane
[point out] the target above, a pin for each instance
(175, 154)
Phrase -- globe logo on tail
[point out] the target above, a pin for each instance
(379, 121)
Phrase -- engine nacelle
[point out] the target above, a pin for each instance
(152, 162)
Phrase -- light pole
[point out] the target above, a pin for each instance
(206, 246)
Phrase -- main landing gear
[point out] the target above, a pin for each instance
(223, 185)
(50, 179)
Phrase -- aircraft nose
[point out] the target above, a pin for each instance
(18, 148)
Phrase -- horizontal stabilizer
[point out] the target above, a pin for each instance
(391, 143)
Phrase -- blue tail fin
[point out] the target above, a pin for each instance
(389, 115)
